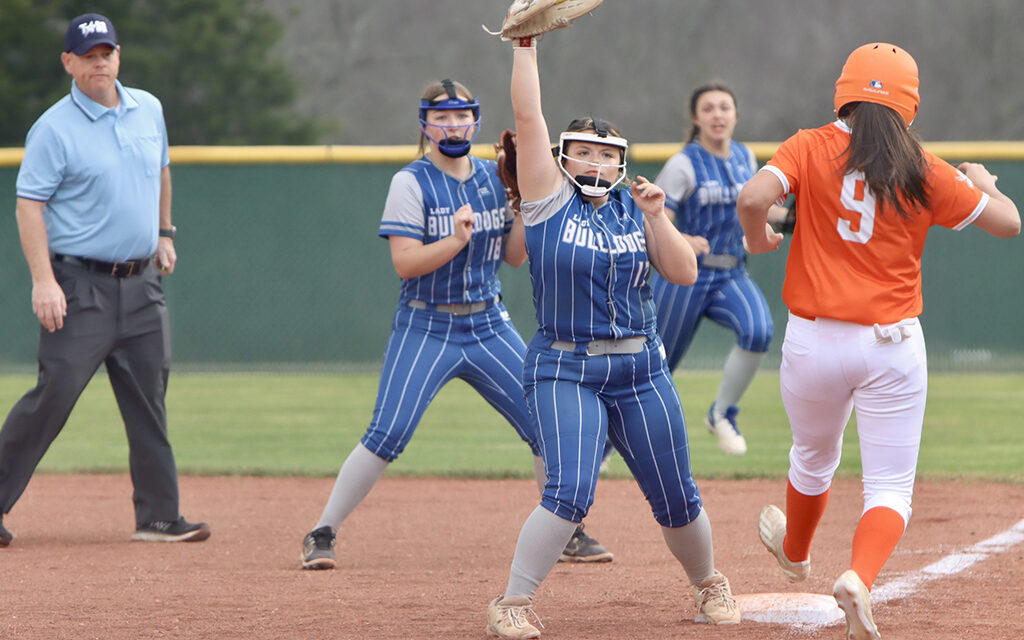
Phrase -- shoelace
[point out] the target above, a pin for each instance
(717, 592)
(323, 540)
(521, 616)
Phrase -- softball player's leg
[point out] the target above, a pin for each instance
(646, 424)
(493, 366)
(417, 363)
(818, 401)
(890, 408)
(572, 428)
(679, 310)
(737, 304)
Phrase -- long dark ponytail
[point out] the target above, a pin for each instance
(889, 155)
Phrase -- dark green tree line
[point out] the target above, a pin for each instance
(211, 63)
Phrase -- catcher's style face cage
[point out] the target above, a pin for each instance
(592, 186)
(451, 146)
(881, 73)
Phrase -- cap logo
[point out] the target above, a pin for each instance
(876, 84)
(96, 26)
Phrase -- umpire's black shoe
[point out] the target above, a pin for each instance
(5, 535)
(318, 549)
(180, 530)
(583, 548)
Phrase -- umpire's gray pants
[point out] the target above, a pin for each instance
(121, 322)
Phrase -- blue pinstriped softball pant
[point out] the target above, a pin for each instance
(728, 298)
(428, 348)
(580, 400)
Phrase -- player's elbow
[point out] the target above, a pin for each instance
(750, 205)
(682, 271)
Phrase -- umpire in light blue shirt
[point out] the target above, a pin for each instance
(94, 215)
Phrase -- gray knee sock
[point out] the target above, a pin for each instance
(740, 368)
(691, 545)
(541, 542)
(357, 476)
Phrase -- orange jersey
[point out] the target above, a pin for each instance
(851, 258)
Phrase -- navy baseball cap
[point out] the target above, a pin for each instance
(87, 31)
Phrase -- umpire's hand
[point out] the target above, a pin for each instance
(166, 257)
(49, 304)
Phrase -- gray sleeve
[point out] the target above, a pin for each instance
(403, 209)
(538, 211)
(678, 179)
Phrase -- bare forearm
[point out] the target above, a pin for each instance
(165, 198)
(515, 243)
(414, 259)
(669, 251)
(537, 171)
(34, 241)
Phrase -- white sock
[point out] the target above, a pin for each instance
(357, 476)
(740, 368)
(541, 542)
(691, 545)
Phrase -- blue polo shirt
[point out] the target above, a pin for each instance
(98, 171)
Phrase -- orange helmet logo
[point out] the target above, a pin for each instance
(881, 73)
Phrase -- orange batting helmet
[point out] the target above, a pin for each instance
(881, 73)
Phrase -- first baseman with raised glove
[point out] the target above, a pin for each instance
(595, 370)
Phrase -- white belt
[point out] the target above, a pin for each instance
(456, 309)
(719, 261)
(605, 347)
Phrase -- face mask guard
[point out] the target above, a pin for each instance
(453, 147)
(592, 186)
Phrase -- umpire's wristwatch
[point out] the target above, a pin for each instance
(169, 233)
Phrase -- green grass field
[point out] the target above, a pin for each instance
(299, 424)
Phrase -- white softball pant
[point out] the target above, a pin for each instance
(830, 367)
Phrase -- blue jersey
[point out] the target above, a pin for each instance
(702, 188)
(421, 204)
(589, 267)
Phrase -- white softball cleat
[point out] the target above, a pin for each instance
(771, 527)
(730, 440)
(853, 598)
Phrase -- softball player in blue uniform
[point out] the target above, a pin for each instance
(446, 221)
(701, 183)
(596, 369)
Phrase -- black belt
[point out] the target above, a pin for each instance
(456, 309)
(117, 269)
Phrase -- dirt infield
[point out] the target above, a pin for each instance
(422, 557)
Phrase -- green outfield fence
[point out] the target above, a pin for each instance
(280, 265)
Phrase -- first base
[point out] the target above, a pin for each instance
(810, 609)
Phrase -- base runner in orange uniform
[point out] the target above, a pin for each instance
(866, 195)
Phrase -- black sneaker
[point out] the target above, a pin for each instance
(318, 549)
(5, 535)
(180, 530)
(583, 548)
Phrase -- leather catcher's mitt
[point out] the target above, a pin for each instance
(530, 18)
(505, 154)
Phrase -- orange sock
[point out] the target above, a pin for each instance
(803, 513)
(878, 532)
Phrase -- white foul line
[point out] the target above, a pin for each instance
(950, 565)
